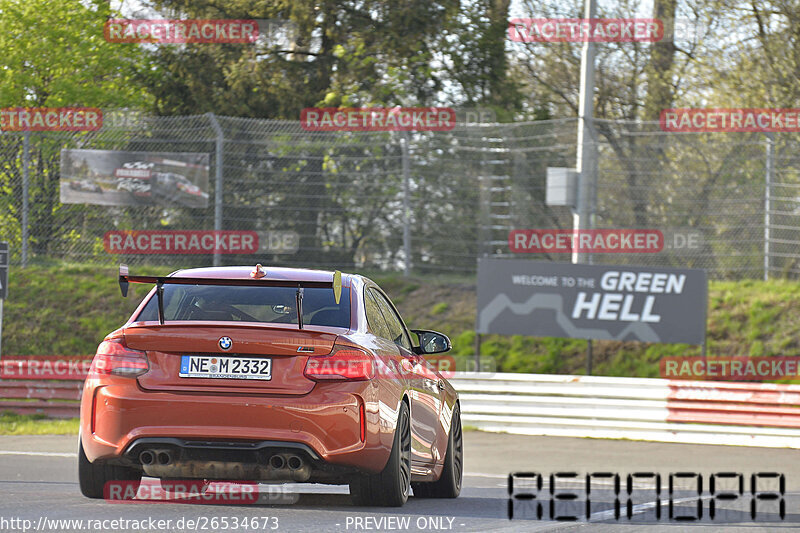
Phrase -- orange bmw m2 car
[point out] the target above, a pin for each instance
(242, 373)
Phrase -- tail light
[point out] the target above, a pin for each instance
(114, 358)
(344, 364)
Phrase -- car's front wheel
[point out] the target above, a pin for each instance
(94, 476)
(449, 483)
(390, 488)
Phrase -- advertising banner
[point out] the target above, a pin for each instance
(109, 177)
(607, 302)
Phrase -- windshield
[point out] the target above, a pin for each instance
(250, 304)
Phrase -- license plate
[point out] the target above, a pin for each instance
(213, 366)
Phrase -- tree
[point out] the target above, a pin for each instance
(327, 53)
(475, 60)
(57, 57)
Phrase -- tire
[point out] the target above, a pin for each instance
(449, 483)
(94, 476)
(390, 488)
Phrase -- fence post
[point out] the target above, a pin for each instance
(767, 194)
(406, 205)
(26, 163)
(218, 185)
(478, 352)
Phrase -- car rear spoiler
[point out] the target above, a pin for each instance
(257, 280)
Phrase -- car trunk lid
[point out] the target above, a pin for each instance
(287, 347)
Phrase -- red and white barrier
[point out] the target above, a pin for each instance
(699, 412)
(53, 382)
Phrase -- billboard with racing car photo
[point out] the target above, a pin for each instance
(111, 177)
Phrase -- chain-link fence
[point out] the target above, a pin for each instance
(424, 201)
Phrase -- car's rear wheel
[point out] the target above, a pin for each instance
(94, 476)
(390, 488)
(449, 483)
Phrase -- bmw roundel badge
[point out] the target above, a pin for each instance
(225, 343)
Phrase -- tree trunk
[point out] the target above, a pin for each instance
(659, 68)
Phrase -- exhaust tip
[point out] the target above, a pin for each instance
(294, 462)
(147, 457)
(164, 458)
(277, 462)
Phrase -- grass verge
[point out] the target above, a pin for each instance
(14, 424)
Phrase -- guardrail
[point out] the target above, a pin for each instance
(698, 412)
(46, 385)
(55, 399)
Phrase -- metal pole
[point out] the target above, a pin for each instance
(218, 190)
(406, 205)
(26, 161)
(586, 161)
(589, 357)
(767, 194)
(586, 164)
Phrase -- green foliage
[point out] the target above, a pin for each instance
(440, 308)
(331, 53)
(14, 424)
(63, 310)
(55, 54)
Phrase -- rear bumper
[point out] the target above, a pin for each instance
(116, 413)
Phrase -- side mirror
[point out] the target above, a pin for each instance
(431, 341)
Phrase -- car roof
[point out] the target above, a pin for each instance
(282, 273)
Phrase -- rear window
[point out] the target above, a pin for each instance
(275, 305)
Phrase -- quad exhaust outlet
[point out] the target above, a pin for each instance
(165, 463)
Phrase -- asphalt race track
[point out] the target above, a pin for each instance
(38, 484)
